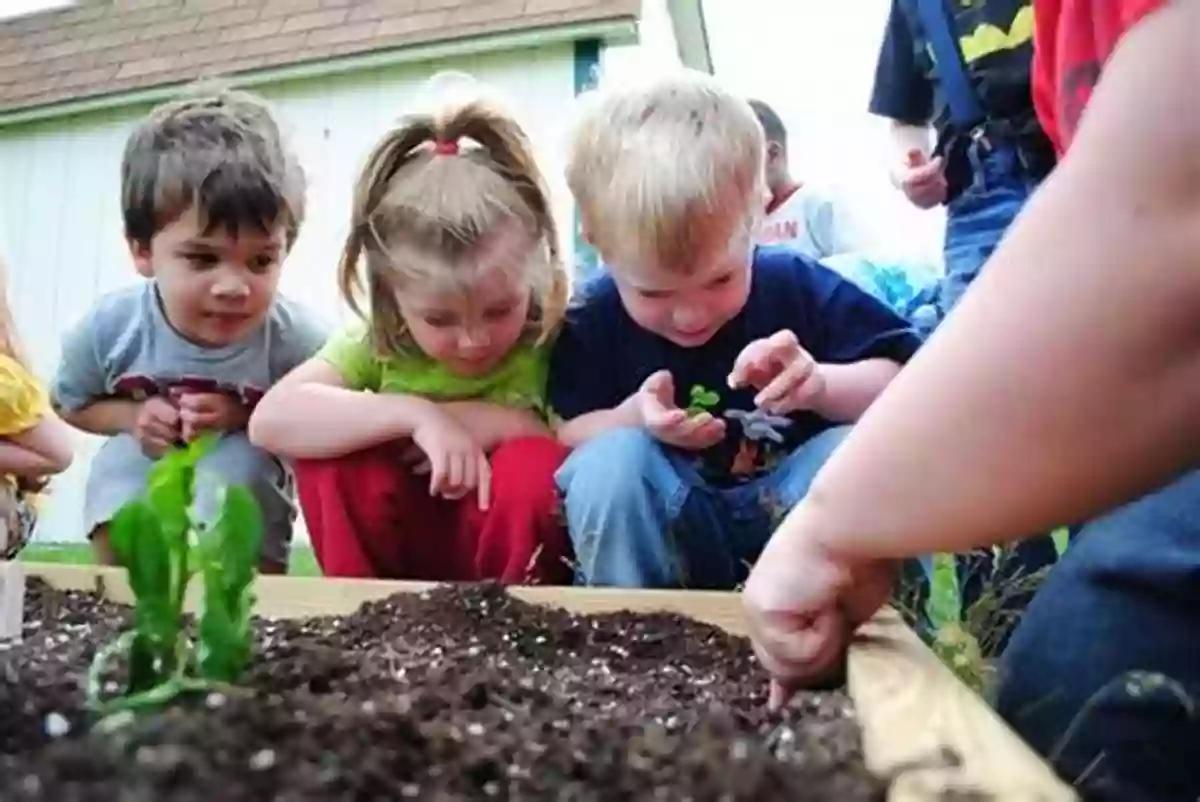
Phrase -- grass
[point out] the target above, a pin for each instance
(965, 640)
(303, 562)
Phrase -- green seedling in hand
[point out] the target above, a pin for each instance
(701, 400)
(161, 548)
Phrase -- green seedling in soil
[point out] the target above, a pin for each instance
(162, 548)
(701, 400)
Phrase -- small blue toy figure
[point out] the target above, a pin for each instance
(758, 428)
(758, 425)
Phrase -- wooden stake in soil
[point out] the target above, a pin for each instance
(12, 599)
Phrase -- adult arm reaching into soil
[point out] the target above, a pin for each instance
(1066, 383)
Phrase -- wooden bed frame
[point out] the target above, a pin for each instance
(910, 705)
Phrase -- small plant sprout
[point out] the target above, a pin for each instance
(162, 547)
(701, 400)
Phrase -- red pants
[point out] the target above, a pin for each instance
(369, 516)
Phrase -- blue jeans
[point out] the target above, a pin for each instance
(1103, 673)
(976, 221)
(640, 516)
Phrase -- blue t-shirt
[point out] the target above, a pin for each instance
(602, 357)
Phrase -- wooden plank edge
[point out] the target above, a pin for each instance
(12, 599)
(913, 709)
(910, 706)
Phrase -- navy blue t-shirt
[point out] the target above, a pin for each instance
(602, 357)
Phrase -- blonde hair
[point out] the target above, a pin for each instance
(10, 338)
(433, 189)
(666, 170)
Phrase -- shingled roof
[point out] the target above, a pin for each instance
(100, 47)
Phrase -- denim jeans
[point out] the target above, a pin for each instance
(1103, 673)
(976, 221)
(640, 516)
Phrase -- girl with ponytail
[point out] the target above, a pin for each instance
(419, 435)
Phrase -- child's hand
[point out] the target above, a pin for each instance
(413, 458)
(156, 427)
(802, 605)
(786, 376)
(457, 464)
(199, 412)
(32, 484)
(670, 424)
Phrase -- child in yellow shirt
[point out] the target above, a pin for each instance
(34, 443)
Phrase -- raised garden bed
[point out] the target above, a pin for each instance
(382, 690)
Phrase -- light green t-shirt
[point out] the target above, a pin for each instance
(518, 382)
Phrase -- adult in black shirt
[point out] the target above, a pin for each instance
(983, 168)
(984, 174)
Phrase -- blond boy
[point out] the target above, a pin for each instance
(701, 381)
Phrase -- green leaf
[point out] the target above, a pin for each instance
(141, 548)
(237, 537)
(231, 550)
(701, 399)
(171, 488)
(136, 537)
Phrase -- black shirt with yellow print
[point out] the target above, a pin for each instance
(996, 40)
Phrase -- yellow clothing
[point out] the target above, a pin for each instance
(23, 400)
(23, 403)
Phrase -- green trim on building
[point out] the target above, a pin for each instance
(587, 77)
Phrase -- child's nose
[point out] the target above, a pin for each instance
(472, 338)
(230, 286)
(687, 316)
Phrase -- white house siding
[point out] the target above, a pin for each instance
(60, 223)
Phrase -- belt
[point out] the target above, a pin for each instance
(990, 136)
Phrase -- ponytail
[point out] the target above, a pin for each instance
(432, 187)
(395, 150)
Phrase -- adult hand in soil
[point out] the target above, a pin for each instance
(670, 424)
(923, 181)
(156, 427)
(803, 603)
(786, 376)
(214, 412)
(457, 463)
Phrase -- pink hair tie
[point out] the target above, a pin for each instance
(445, 148)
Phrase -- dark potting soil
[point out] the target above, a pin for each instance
(460, 693)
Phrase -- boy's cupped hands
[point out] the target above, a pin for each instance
(663, 418)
